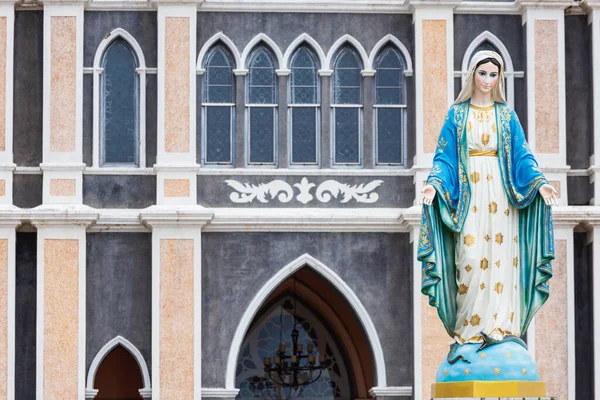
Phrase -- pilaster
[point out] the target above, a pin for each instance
(176, 127)
(7, 20)
(595, 238)
(593, 8)
(61, 305)
(63, 103)
(434, 79)
(546, 90)
(176, 299)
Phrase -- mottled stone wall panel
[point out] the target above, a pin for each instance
(62, 187)
(63, 76)
(27, 190)
(546, 86)
(177, 187)
(177, 85)
(435, 81)
(61, 318)
(551, 329)
(3, 84)
(119, 191)
(434, 344)
(3, 316)
(176, 318)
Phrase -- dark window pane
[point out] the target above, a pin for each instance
(218, 134)
(304, 95)
(304, 135)
(262, 135)
(346, 135)
(304, 77)
(262, 76)
(119, 104)
(347, 77)
(348, 58)
(219, 79)
(262, 95)
(388, 96)
(261, 58)
(304, 59)
(388, 77)
(347, 96)
(219, 94)
(390, 59)
(389, 135)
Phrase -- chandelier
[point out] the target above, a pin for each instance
(290, 370)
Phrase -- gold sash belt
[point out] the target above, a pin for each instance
(484, 153)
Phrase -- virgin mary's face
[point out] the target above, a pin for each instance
(486, 77)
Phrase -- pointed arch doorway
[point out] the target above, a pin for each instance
(323, 318)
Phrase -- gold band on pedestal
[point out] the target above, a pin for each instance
(489, 389)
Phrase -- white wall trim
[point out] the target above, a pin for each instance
(105, 350)
(9, 234)
(8, 11)
(341, 42)
(391, 391)
(98, 70)
(256, 40)
(396, 42)
(220, 393)
(312, 43)
(219, 37)
(508, 64)
(338, 283)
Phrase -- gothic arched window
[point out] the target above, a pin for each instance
(347, 108)
(390, 107)
(218, 107)
(119, 106)
(261, 107)
(304, 107)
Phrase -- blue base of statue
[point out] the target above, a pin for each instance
(506, 361)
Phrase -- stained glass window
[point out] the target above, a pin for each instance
(389, 107)
(347, 107)
(263, 341)
(119, 106)
(218, 106)
(304, 102)
(261, 105)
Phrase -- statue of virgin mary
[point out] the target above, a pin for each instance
(487, 240)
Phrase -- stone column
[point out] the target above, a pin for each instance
(61, 308)
(545, 74)
(7, 18)
(554, 333)
(593, 8)
(176, 126)
(434, 79)
(595, 234)
(176, 300)
(63, 103)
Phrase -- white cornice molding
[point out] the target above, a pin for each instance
(327, 6)
(61, 216)
(166, 216)
(219, 393)
(391, 391)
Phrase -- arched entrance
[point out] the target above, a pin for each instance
(118, 371)
(324, 319)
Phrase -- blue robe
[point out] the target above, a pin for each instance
(521, 178)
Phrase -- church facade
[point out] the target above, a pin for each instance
(183, 183)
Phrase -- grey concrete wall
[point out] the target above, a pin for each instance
(119, 291)
(27, 190)
(394, 191)
(579, 96)
(25, 316)
(283, 28)
(580, 190)
(28, 84)
(119, 191)
(376, 266)
(584, 317)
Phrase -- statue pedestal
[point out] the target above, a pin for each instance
(495, 389)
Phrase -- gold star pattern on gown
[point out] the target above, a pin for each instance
(516, 239)
(499, 238)
(483, 263)
(463, 289)
(512, 314)
(475, 177)
(458, 274)
(445, 372)
(508, 355)
(485, 138)
(469, 240)
(466, 323)
(467, 371)
(515, 262)
(495, 315)
(493, 207)
(468, 268)
(482, 286)
(475, 320)
(489, 177)
(506, 212)
(498, 287)
(524, 371)
(497, 263)
(487, 238)
(481, 355)
(497, 371)
(474, 209)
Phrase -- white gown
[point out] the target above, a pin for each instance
(487, 249)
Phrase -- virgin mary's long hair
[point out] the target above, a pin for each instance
(482, 57)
